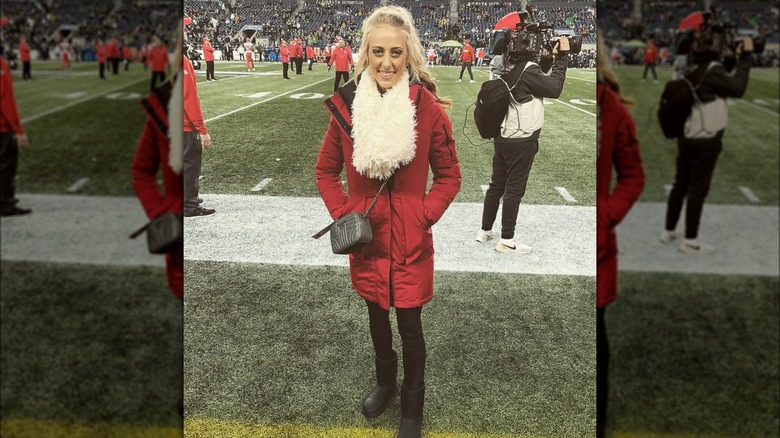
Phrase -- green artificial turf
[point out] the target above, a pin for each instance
(280, 138)
(512, 354)
(89, 344)
(695, 354)
(750, 156)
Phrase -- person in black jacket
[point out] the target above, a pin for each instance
(518, 142)
(701, 143)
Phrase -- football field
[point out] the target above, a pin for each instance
(277, 343)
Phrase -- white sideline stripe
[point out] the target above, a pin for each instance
(261, 185)
(668, 189)
(590, 81)
(575, 107)
(266, 100)
(77, 185)
(749, 194)
(759, 107)
(484, 189)
(76, 102)
(277, 230)
(565, 193)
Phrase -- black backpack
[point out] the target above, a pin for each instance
(493, 102)
(677, 101)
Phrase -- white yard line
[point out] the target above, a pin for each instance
(565, 194)
(749, 194)
(575, 107)
(266, 100)
(668, 189)
(261, 185)
(76, 102)
(77, 185)
(759, 107)
(484, 189)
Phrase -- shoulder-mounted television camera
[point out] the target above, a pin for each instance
(715, 38)
(529, 39)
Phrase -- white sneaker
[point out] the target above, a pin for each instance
(696, 248)
(472, 81)
(667, 236)
(460, 80)
(510, 246)
(483, 236)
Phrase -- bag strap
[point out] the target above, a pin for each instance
(512, 77)
(323, 231)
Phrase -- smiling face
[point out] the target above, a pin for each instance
(387, 55)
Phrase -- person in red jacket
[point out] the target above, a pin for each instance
(158, 58)
(249, 49)
(100, 52)
(196, 137)
(618, 149)
(651, 59)
(342, 57)
(284, 54)
(12, 137)
(310, 55)
(467, 57)
(65, 51)
(298, 57)
(24, 54)
(157, 150)
(113, 55)
(208, 56)
(126, 55)
(372, 132)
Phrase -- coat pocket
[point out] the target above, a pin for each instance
(419, 238)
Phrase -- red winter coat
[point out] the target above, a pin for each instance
(193, 115)
(467, 55)
(618, 148)
(296, 51)
(151, 154)
(101, 54)
(284, 52)
(10, 121)
(114, 49)
(309, 52)
(651, 53)
(125, 52)
(208, 52)
(24, 52)
(342, 57)
(404, 260)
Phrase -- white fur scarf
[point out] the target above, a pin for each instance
(176, 125)
(383, 127)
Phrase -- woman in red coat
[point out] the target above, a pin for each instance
(24, 54)
(157, 150)
(618, 148)
(379, 142)
(310, 55)
(208, 56)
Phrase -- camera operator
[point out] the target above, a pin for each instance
(518, 142)
(701, 143)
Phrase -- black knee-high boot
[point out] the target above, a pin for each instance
(380, 395)
(412, 401)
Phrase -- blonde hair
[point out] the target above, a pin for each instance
(178, 56)
(401, 19)
(606, 74)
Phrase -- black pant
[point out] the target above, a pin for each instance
(102, 68)
(339, 74)
(311, 61)
(465, 66)
(649, 65)
(115, 66)
(512, 160)
(193, 158)
(210, 70)
(9, 163)
(26, 70)
(285, 68)
(602, 368)
(155, 75)
(298, 66)
(696, 161)
(412, 341)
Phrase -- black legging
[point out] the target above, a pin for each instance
(285, 68)
(26, 70)
(465, 66)
(413, 343)
(9, 162)
(339, 74)
(602, 367)
(157, 75)
(650, 65)
(210, 70)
